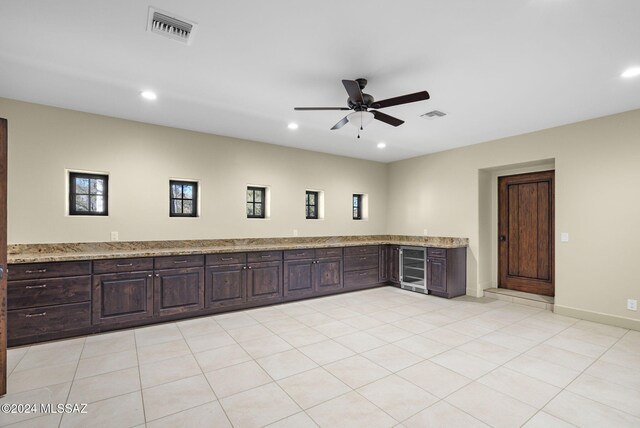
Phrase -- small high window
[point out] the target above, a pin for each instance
(357, 207)
(183, 198)
(312, 204)
(256, 198)
(88, 194)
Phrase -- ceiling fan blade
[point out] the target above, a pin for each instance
(340, 124)
(321, 108)
(353, 89)
(404, 99)
(393, 121)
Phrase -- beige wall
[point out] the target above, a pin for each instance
(597, 166)
(44, 142)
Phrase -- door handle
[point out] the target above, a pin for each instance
(502, 238)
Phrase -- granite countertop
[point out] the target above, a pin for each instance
(38, 253)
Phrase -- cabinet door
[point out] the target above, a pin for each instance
(298, 277)
(384, 254)
(394, 265)
(119, 297)
(328, 274)
(437, 274)
(264, 281)
(178, 291)
(225, 285)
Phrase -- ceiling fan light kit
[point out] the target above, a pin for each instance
(361, 103)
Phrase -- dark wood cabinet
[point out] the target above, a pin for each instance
(264, 281)
(237, 284)
(61, 299)
(122, 297)
(309, 272)
(394, 265)
(177, 291)
(225, 285)
(328, 275)
(48, 301)
(298, 277)
(446, 272)
(361, 266)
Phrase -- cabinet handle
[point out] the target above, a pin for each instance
(41, 314)
(124, 264)
(176, 262)
(244, 268)
(157, 275)
(301, 254)
(363, 274)
(225, 259)
(36, 286)
(150, 275)
(250, 267)
(266, 256)
(36, 271)
(363, 258)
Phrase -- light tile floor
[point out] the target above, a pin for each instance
(383, 357)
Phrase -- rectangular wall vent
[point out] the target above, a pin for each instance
(433, 114)
(169, 25)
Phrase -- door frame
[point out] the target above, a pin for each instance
(525, 177)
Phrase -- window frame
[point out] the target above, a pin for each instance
(263, 202)
(73, 175)
(316, 205)
(193, 199)
(356, 209)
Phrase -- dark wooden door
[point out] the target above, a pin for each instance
(328, 274)
(394, 265)
(437, 274)
(177, 291)
(525, 232)
(3, 256)
(120, 297)
(298, 277)
(225, 285)
(264, 281)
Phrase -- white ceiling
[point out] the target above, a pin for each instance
(498, 68)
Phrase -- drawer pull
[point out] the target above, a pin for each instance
(268, 256)
(36, 271)
(41, 314)
(36, 286)
(226, 259)
(363, 273)
(363, 258)
(124, 264)
(301, 254)
(177, 262)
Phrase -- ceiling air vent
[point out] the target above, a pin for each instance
(169, 25)
(433, 114)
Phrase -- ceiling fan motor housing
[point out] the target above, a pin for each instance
(368, 100)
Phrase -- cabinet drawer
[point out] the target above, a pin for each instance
(123, 265)
(48, 270)
(328, 252)
(299, 254)
(364, 249)
(227, 259)
(369, 261)
(264, 256)
(364, 277)
(437, 252)
(52, 319)
(44, 292)
(178, 262)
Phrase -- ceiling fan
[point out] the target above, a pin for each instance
(361, 103)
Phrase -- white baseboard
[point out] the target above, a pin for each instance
(614, 320)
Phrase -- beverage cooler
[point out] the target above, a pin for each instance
(413, 269)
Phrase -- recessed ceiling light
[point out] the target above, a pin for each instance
(292, 126)
(631, 72)
(148, 95)
(382, 145)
